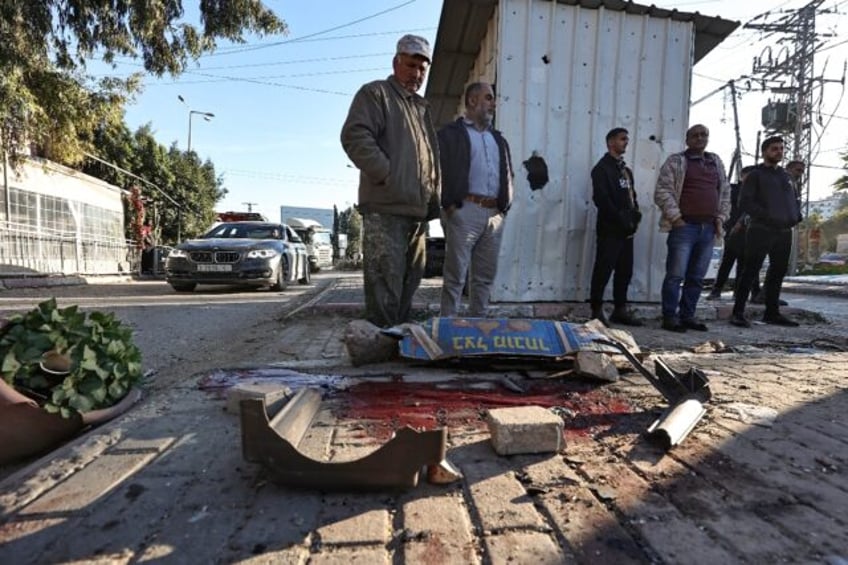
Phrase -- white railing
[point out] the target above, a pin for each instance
(24, 250)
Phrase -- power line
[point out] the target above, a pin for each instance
(317, 33)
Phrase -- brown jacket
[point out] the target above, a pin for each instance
(389, 136)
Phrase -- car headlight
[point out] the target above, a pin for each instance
(261, 254)
(177, 253)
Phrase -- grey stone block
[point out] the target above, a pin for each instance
(524, 429)
(273, 394)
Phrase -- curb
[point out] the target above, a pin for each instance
(40, 282)
(549, 310)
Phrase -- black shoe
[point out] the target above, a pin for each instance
(780, 320)
(714, 296)
(673, 326)
(598, 314)
(622, 316)
(694, 324)
(781, 302)
(740, 320)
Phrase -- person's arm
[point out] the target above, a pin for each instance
(601, 195)
(724, 193)
(749, 198)
(664, 196)
(364, 126)
(446, 153)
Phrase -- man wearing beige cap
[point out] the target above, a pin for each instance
(389, 136)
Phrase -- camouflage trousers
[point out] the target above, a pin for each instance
(393, 249)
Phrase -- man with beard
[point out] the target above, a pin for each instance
(476, 194)
(389, 136)
(769, 198)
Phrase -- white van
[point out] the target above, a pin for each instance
(318, 240)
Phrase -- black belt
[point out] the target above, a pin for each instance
(483, 201)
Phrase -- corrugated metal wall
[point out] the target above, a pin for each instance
(564, 76)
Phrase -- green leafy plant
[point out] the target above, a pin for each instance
(104, 361)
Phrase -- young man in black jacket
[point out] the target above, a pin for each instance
(768, 197)
(618, 219)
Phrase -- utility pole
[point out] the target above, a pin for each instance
(790, 75)
(250, 205)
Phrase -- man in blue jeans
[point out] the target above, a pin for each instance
(693, 196)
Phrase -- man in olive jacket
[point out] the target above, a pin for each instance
(390, 137)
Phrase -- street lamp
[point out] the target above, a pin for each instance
(206, 116)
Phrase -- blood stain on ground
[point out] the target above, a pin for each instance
(385, 407)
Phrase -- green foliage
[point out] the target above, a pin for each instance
(180, 175)
(825, 270)
(45, 96)
(831, 228)
(350, 222)
(104, 361)
(841, 183)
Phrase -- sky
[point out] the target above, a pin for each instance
(279, 102)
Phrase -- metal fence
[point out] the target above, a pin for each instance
(25, 250)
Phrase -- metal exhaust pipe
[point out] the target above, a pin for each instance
(676, 422)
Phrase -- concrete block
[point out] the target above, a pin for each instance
(596, 365)
(274, 394)
(524, 429)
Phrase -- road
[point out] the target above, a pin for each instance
(180, 334)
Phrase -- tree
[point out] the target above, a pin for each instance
(335, 232)
(350, 222)
(841, 183)
(46, 98)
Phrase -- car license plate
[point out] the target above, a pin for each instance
(214, 268)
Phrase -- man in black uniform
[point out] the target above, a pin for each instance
(618, 220)
(734, 242)
(768, 197)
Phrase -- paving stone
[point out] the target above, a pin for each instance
(593, 532)
(524, 429)
(291, 556)
(499, 500)
(88, 485)
(438, 527)
(31, 482)
(125, 520)
(352, 520)
(347, 555)
(274, 395)
(532, 548)
(278, 526)
(671, 534)
(64, 505)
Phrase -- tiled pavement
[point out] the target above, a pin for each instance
(761, 479)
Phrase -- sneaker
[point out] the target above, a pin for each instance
(673, 325)
(780, 320)
(625, 318)
(740, 320)
(693, 324)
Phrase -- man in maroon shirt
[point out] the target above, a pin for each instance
(693, 195)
